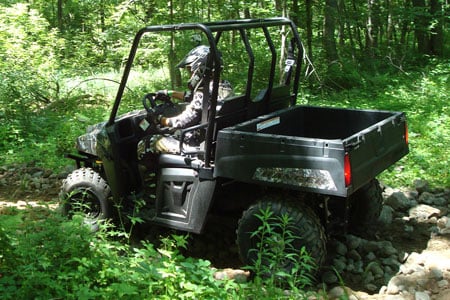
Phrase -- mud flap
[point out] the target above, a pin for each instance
(183, 200)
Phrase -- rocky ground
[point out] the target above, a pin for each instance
(407, 256)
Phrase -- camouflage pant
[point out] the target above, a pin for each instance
(157, 144)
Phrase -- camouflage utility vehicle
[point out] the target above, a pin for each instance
(260, 150)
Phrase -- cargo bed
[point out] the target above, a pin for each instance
(330, 151)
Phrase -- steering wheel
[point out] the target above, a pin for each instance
(155, 109)
(152, 107)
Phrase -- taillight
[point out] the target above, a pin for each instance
(406, 134)
(347, 170)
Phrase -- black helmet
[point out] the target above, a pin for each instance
(196, 59)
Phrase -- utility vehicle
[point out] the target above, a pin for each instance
(261, 150)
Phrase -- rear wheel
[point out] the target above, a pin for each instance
(85, 191)
(306, 229)
(365, 207)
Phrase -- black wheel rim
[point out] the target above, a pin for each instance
(86, 203)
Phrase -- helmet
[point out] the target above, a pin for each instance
(196, 59)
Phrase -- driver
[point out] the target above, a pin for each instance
(190, 115)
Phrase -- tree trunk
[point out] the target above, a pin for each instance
(348, 27)
(309, 29)
(342, 21)
(372, 26)
(175, 74)
(358, 25)
(59, 15)
(295, 12)
(420, 27)
(437, 32)
(329, 41)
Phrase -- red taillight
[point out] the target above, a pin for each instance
(347, 170)
(406, 134)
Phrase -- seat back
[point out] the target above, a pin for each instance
(265, 102)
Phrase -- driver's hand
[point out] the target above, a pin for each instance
(164, 121)
(162, 95)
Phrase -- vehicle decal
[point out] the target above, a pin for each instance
(313, 178)
(267, 123)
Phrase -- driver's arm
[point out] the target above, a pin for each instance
(177, 95)
(180, 95)
(189, 116)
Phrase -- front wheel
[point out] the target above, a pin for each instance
(85, 191)
(304, 230)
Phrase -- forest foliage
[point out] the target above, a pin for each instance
(59, 66)
(60, 61)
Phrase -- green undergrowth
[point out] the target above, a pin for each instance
(45, 256)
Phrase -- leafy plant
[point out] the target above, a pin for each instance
(45, 256)
(278, 263)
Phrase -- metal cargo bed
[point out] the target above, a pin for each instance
(324, 150)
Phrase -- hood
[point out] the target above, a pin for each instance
(87, 143)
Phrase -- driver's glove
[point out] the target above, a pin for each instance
(164, 121)
(163, 95)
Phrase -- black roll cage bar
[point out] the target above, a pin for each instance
(214, 59)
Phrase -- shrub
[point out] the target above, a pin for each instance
(278, 263)
(45, 256)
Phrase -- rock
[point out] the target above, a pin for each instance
(408, 228)
(350, 267)
(353, 254)
(337, 293)
(37, 174)
(370, 256)
(353, 242)
(436, 273)
(442, 283)
(444, 225)
(393, 288)
(397, 284)
(329, 277)
(421, 185)
(431, 199)
(398, 201)
(369, 246)
(368, 277)
(423, 212)
(359, 266)
(371, 287)
(376, 269)
(386, 215)
(421, 296)
(392, 262)
(440, 201)
(341, 249)
(240, 276)
(339, 264)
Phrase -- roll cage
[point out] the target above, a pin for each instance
(213, 32)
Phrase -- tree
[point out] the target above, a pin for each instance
(329, 27)
(437, 28)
